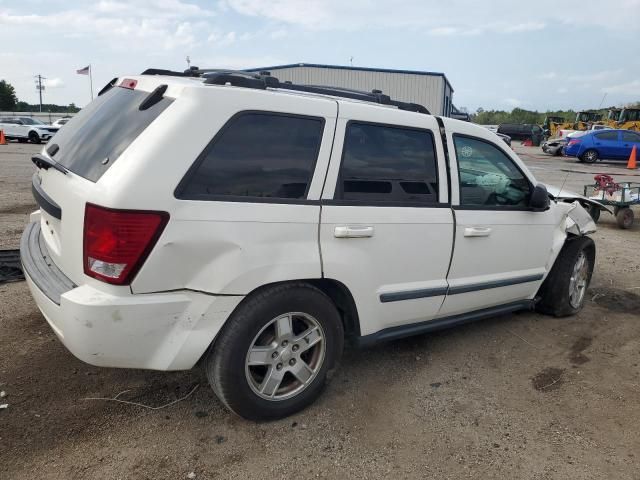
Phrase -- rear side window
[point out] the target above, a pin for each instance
(382, 163)
(613, 135)
(93, 140)
(257, 155)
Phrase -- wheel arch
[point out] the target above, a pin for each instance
(337, 292)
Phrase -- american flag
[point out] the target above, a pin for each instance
(84, 71)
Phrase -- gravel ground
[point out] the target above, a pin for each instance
(521, 396)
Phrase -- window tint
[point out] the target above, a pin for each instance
(93, 139)
(259, 155)
(612, 135)
(388, 164)
(488, 176)
(630, 137)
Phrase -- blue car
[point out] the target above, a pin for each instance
(603, 144)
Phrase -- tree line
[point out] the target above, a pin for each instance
(9, 102)
(520, 115)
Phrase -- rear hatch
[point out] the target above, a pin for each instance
(82, 153)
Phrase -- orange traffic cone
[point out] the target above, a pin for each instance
(3, 141)
(631, 165)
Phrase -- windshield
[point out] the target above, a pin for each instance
(93, 140)
(31, 121)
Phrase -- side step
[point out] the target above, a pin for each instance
(403, 331)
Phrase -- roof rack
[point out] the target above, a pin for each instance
(264, 80)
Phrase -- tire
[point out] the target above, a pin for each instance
(624, 217)
(595, 213)
(559, 295)
(590, 156)
(243, 388)
(34, 137)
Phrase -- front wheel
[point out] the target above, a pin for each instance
(272, 357)
(590, 156)
(564, 290)
(34, 137)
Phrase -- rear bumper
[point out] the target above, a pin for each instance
(163, 331)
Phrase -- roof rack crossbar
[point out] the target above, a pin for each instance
(263, 80)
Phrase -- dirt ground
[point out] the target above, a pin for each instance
(522, 396)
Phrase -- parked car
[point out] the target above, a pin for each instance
(237, 221)
(603, 144)
(520, 131)
(61, 121)
(554, 147)
(26, 129)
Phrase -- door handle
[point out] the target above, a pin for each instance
(477, 231)
(353, 231)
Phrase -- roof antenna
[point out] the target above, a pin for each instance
(351, 61)
(562, 186)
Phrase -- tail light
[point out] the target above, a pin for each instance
(128, 83)
(573, 141)
(117, 242)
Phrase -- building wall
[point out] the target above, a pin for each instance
(427, 90)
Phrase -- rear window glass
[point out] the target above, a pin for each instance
(259, 155)
(94, 139)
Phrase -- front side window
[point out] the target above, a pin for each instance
(258, 155)
(630, 137)
(488, 177)
(382, 163)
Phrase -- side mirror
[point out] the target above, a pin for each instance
(539, 200)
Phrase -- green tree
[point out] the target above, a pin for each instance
(8, 97)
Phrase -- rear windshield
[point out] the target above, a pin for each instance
(93, 140)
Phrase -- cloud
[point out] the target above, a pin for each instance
(631, 88)
(513, 102)
(436, 15)
(548, 75)
(54, 82)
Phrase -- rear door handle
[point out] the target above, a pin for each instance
(353, 231)
(477, 231)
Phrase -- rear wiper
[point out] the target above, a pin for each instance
(45, 163)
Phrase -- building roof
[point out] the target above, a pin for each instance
(346, 67)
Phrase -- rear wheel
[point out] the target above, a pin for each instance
(272, 357)
(624, 217)
(564, 290)
(590, 156)
(34, 137)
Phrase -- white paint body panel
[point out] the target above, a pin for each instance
(214, 253)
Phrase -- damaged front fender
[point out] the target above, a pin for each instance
(578, 221)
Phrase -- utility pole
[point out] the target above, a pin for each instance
(40, 87)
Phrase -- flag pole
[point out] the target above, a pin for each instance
(91, 80)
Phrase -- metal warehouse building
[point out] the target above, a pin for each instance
(430, 89)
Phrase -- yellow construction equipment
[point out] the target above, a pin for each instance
(629, 119)
(584, 120)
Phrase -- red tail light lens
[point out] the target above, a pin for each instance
(117, 242)
(128, 83)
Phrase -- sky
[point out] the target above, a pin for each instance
(499, 54)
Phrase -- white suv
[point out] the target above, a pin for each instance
(255, 226)
(26, 129)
